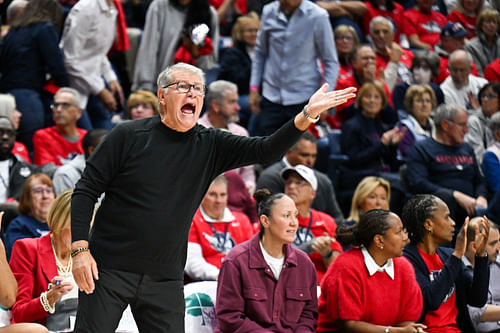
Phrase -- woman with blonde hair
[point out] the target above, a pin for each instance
(419, 102)
(346, 41)
(142, 104)
(42, 267)
(236, 62)
(371, 193)
(485, 47)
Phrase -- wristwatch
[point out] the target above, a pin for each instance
(308, 116)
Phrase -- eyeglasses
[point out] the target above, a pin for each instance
(461, 125)
(64, 105)
(184, 87)
(489, 96)
(39, 190)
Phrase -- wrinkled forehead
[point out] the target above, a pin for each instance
(188, 77)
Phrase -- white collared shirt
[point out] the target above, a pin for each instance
(373, 267)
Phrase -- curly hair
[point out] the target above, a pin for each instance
(415, 212)
(373, 222)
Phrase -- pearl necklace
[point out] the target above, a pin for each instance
(64, 271)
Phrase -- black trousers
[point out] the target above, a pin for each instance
(157, 304)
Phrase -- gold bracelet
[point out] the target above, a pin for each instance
(78, 250)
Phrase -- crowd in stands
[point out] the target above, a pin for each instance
(381, 218)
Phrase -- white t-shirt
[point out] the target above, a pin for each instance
(276, 264)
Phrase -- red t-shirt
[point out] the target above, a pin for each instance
(320, 223)
(426, 26)
(443, 319)
(51, 147)
(215, 247)
(20, 151)
(396, 16)
(468, 22)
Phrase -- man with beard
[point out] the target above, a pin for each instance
(222, 112)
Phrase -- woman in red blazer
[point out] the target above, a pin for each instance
(38, 262)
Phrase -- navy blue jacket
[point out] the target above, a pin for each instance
(29, 53)
(472, 290)
(236, 66)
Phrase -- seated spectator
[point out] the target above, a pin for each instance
(66, 176)
(485, 47)
(265, 271)
(371, 147)
(222, 112)
(303, 152)
(165, 22)
(461, 86)
(419, 101)
(236, 62)
(214, 232)
(491, 159)
(371, 288)
(316, 231)
(42, 267)
(452, 39)
(34, 204)
(364, 70)
(422, 25)
(492, 71)
(371, 193)
(389, 9)
(30, 51)
(466, 13)
(61, 143)
(487, 317)
(346, 41)
(424, 70)
(142, 104)
(8, 109)
(392, 58)
(479, 136)
(446, 166)
(8, 293)
(447, 287)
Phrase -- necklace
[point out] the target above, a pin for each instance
(64, 271)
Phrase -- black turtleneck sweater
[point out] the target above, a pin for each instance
(155, 179)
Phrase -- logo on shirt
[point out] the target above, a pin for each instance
(220, 242)
(431, 27)
(432, 276)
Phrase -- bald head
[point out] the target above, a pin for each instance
(459, 65)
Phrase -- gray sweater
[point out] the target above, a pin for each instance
(482, 54)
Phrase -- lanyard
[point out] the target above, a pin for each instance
(298, 239)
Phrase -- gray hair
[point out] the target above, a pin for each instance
(74, 92)
(13, 8)
(7, 105)
(381, 19)
(494, 122)
(446, 112)
(217, 91)
(167, 76)
(458, 53)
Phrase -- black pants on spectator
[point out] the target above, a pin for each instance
(157, 304)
